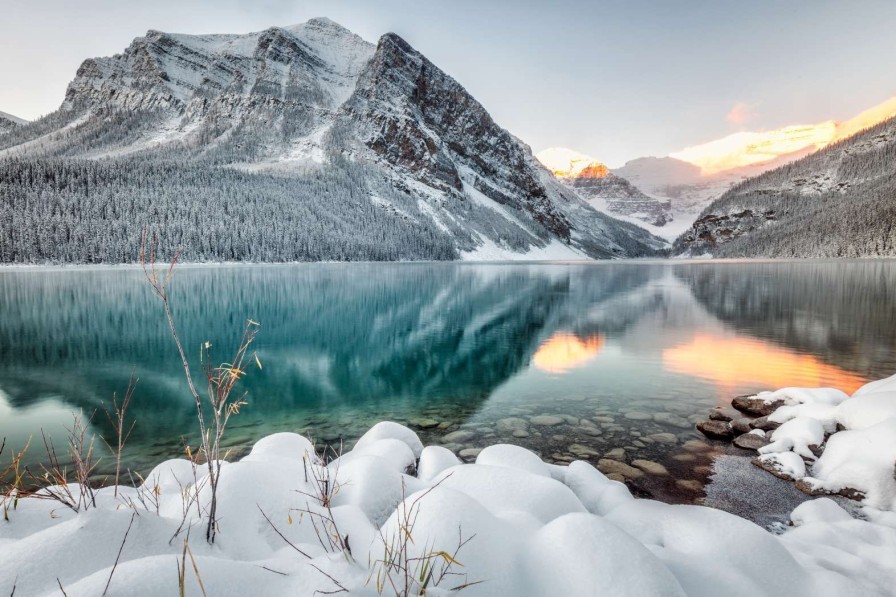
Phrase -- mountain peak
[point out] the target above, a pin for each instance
(325, 22)
(425, 157)
(771, 148)
(564, 162)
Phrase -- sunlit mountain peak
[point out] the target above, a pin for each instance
(866, 119)
(568, 163)
(748, 148)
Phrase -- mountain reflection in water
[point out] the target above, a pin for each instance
(345, 345)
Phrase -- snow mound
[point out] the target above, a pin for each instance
(290, 524)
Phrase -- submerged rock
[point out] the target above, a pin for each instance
(689, 484)
(461, 435)
(546, 420)
(672, 420)
(424, 423)
(608, 466)
(470, 452)
(582, 451)
(616, 454)
(648, 466)
(637, 415)
(511, 424)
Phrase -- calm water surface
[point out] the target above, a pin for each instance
(625, 355)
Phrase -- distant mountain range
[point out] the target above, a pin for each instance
(293, 143)
(9, 122)
(604, 190)
(682, 185)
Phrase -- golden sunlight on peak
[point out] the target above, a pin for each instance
(564, 351)
(749, 148)
(728, 360)
(866, 119)
(566, 162)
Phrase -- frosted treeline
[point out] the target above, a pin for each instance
(63, 210)
(838, 202)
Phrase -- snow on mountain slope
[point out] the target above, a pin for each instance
(837, 202)
(289, 101)
(772, 148)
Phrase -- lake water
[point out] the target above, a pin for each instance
(626, 354)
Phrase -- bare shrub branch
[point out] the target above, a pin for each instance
(220, 379)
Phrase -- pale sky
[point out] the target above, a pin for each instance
(616, 80)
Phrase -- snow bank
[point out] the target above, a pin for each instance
(856, 437)
(507, 525)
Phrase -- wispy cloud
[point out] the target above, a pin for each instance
(740, 113)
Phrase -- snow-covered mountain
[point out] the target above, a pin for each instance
(694, 177)
(679, 183)
(604, 190)
(837, 202)
(9, 122)
(384, 130)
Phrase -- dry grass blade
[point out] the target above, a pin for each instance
(12, 490)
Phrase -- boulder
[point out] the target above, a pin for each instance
(716, 430)
(757, 407)
(764, 423)
(750, 441)
(741, 425)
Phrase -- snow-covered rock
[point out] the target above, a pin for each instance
(856, 436)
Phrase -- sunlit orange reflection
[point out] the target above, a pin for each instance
(564, 351)
(730, 361)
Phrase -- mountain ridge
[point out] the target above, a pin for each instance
(380, 123)
(837, 202)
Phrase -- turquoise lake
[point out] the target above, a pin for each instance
(625, 354)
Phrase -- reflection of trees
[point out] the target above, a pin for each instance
(331, 334)
(840, 311)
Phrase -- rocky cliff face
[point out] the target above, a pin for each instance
(606, 190)
(316, 96)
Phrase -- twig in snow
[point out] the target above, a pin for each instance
(118, 557)
(282, 536)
